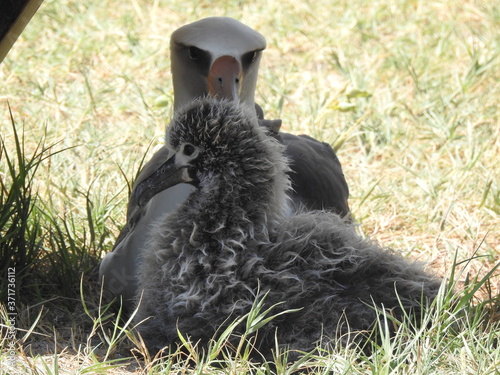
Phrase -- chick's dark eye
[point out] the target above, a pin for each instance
(195, 53)
(188, 150)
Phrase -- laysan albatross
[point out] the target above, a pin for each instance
(219, 57)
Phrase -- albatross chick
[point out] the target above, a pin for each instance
(234, 240)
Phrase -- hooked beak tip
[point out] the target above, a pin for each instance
(166, 176)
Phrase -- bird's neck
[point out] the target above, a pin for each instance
(226, 208)
(223, 211)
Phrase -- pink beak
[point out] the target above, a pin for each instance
(224, 78)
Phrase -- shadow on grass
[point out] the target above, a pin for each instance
(43, 253)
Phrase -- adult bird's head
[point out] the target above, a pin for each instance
(216, 145)
(216, 56)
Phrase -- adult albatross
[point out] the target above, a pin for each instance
(235, 240)
(219, 57)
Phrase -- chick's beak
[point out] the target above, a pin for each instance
(167, 175)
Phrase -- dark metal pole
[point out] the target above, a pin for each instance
(14, 16)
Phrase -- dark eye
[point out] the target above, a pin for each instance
(250, 57)
(195, 53)
(188, 150)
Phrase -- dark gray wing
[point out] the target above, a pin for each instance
(134, 212)
(317, 178)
